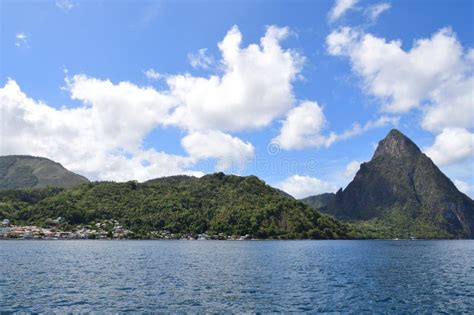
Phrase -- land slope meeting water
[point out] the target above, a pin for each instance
(215, 204)
(401, 192)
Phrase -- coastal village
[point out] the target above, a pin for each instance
(107, 229)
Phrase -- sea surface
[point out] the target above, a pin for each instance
(237, 276)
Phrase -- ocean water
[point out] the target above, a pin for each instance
(237, 276)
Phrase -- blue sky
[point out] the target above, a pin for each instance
(139, 89)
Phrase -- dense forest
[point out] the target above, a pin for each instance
(214, 204)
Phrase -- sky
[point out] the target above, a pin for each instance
(296, 92)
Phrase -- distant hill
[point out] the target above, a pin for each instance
(402, 192)
(216, 203)
(22, 171)
(319, 201)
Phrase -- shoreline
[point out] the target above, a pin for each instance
(238, 240)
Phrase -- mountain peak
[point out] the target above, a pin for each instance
(396, 145)
(402, 187)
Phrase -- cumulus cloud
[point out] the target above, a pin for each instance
(341, 41)
(303, 186)
(139, 165)
(302, 128)
(340, 8)
(255, 87)
(123, 113)
(351, 169)
(101, 139)
(200, 59)
(375, 10)
(453, 105)
(435, 74)
(452, 145)
(230, 152)
(304, 124)
(152, 74)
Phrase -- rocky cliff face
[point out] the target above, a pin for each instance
(402, 182)
(22, 171)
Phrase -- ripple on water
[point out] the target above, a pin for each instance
(218, 277)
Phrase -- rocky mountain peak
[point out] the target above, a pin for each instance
(402, 187)
(396, 145)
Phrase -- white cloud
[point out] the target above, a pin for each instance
(435, 74)
(341, 41)
(302, 128)
(340, 8)
(255, 88)
(452, 145)
(464, 187)
(453, 106)
(101, 139)
(375, 10)
(303, 186)
(152, 74)
(21, 40)
(230, 152)
(358, 129)
(304, 124)
(351, 169)
(200, 59)
(139, 165)
(66, 5)
(122, 114)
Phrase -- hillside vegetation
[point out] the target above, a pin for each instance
(23, 171)
(216, 204)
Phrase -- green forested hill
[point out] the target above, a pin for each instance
(216, 203)
(24, 171)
